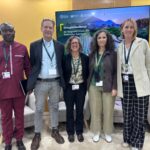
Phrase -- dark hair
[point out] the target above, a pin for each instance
(68, 43)
(6, 26)
(110, 46)
(47, 19)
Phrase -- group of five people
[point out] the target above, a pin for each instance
(105, 74)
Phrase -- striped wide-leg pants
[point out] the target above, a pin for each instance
(135, 111)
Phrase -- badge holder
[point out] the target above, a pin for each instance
(100, 83)
(52, 72)
(6, 75)
(126, 68)
(125, 78)
(75, 87)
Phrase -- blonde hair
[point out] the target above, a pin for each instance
(47, 19)
(134, 26)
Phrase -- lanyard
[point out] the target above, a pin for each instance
(126, 58)
(98, 69)
(6, 57)
(51, 57)
(98, 61)
(75, 69)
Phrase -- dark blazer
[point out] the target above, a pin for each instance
(36, 62)
(68, 68)
(110, 70)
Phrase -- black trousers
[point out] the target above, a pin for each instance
(74, 99)
(135, 111)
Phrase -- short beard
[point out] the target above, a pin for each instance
(9, 40)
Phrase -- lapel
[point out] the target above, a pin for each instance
(135, 46)
(39, 49)
(56, 48)
(92, 62)
(106, 53)
(121, 49)
(69, 62)
(91, 65)
(83, 63)
(81, 57)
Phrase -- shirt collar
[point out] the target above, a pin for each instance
(4, 44)
(48, 43)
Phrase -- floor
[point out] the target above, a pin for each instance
(47, 143)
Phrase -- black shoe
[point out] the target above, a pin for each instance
(56, 135)
(20, 145)
(71, 138)
(8, 147)
(36, 141)
(80, 137)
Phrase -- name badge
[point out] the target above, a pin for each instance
(125, 68)
(100, 83)
(125, 78)
(52, 72)
(5, 75)
(75, 87)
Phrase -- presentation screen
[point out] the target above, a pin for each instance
(84, 23)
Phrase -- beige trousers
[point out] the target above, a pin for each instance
(102, 108)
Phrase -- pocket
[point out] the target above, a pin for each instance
(18, 58)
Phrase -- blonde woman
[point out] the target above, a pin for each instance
(133, 84)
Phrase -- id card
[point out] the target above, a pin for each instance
(75, 87)
(100, 83)
(5, 75)
(125, 78)
(52, 72)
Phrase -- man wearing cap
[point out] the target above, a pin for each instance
(14, 62)
(46, 77)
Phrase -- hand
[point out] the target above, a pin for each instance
(114, 92)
